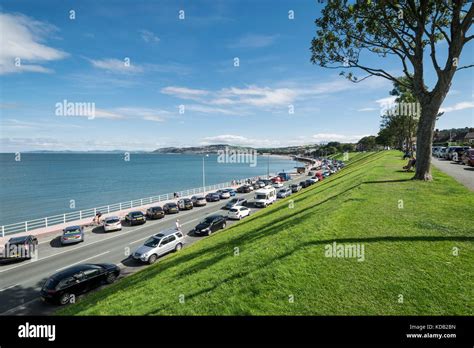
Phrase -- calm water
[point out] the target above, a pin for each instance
(43, 184)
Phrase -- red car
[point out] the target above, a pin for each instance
(468, 157)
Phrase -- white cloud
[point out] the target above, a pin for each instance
(458, 106)
(383, 102)
(149, 36)
(231, 139)
(116, 65)
(366, 109)
(23, 38)
(326, 137)
(238, 100)
(147, 114)
(185, 93)
(254, 41)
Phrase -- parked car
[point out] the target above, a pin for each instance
(153, 213)
(235, 202)
(171, 208)
(61, 287)
(158, 245)
(285, 192)
(135, 218)
(72, 234)
(303, 184)
(449, 152)
(210, 224)
(457, 153)
(277, 184)
(185, 204)
(265, 197)
(213, 197)
(245, 189)
(261, 183)
(441, 152)
(199, 201)
(313, 180)
(24, 247)
(112, 223)
(468, 157)
(231, 191)
(309, 182)
(238, 212)
(223, 194)
(295, 188)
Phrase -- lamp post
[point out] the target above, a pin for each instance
(203, 175)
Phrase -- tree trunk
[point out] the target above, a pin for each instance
(424, 140)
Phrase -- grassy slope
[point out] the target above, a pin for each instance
(407, 251)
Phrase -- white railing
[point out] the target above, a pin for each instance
(30, 225)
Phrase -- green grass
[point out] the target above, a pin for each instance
(408, 252)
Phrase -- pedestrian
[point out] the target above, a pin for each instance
(178, 225)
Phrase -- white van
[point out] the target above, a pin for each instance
(265, 196)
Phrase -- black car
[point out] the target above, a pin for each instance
(135, 218)
(64, 286)
(309, 182)
(24, 247)
(244, 189)
(304, 184)
(210, 224)
(213, 197)
(155, 213)
(460, 151)
(171, 208)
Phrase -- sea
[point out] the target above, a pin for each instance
(38, 185)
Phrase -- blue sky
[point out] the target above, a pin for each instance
(190, 63)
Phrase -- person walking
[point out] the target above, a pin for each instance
(178, 225)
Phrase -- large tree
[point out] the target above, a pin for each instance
(406, 30)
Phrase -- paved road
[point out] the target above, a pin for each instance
(461, 173)
(21, 281)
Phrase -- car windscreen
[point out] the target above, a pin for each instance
(17, 240)
(112, 221)
(234, 200)
(209, 219)
(152, 242)
(261, 196)
(233, 210)
(136, 214)
(72, 231)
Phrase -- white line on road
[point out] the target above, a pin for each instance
(9, 287)
(75, 263)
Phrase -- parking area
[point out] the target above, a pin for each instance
(21, 281)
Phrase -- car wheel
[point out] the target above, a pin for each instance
(240, 217)
(223, 225)
(64, 299)
(178, 247)
(209, 232)
(110, 278)
(152, 259)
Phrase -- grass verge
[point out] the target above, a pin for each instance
(418, 254)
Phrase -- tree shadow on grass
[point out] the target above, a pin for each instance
(297, 248)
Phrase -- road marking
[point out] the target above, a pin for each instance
(22, 306)
(9, 287)
(82, 261)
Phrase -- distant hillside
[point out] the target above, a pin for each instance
(208, 149)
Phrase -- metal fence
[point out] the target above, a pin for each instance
(30, 225)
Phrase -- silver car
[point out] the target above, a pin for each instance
(158, 245)
(112, 223)
(72, 234)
